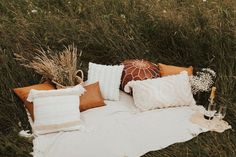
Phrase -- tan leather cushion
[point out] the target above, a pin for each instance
(166, 70)
(138, 70)
(23, 93)
(91, 98)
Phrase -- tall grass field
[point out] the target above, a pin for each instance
(201, 33)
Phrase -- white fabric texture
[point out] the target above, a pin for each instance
(120, 130)
(109, 77)
(56, 110)
(169, 91)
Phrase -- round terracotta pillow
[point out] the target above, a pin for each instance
(138, 70)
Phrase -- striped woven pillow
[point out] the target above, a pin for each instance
(56, 110)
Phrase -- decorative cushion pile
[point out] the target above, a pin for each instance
(59, 110)
(56, 110)
(108, 77)
(166, 70)
(23, 93)
(104, 82)
(169, 91)
(138, 70)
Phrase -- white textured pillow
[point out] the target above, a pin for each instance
(108, 77)
(169, 91)
(56, 110)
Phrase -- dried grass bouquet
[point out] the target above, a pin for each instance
(60, 68)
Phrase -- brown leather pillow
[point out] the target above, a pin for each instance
(23, 93)
(138, 70)
(166, 70)
(91, 98)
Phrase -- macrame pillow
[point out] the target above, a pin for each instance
(169, 91)
(138, 70)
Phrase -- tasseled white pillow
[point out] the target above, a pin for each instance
(56, 110)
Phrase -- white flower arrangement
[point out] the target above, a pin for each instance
(203, 80)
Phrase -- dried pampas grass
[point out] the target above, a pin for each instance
(60, 68)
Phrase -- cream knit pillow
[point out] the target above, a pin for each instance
(109, 78)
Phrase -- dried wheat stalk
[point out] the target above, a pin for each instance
(60, 68)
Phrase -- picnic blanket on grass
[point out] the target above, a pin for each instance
(120, 130)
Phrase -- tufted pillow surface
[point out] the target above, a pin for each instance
(169, 91)
(109, 77)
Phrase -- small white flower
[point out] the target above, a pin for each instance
(210, 71)
(122, 16)
(204, 0)
(69, 2)
(164, 11)
(34, 11)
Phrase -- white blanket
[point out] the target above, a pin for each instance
(120, 130)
